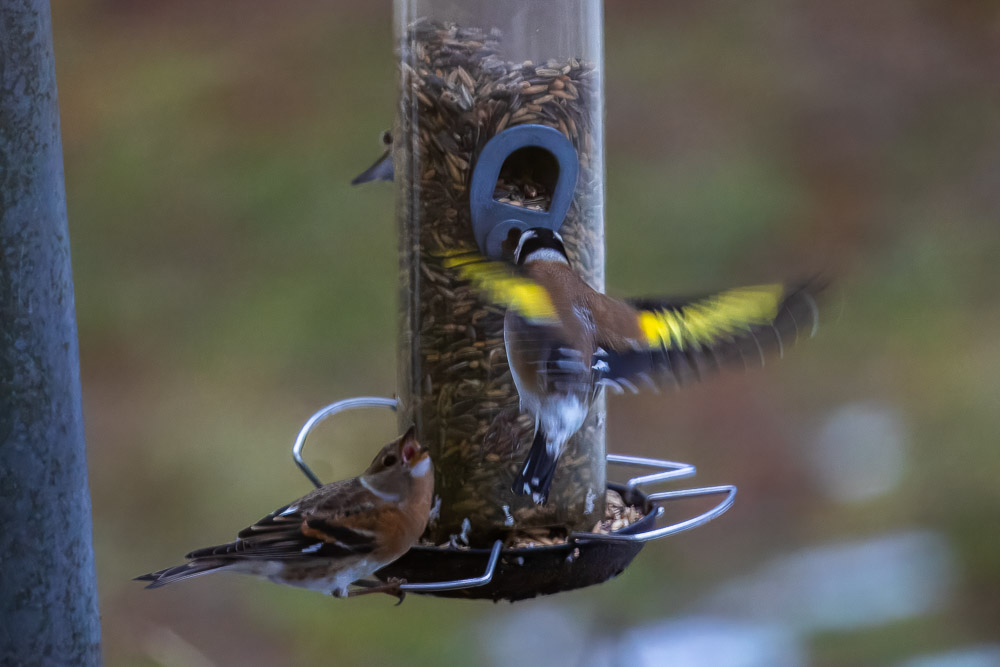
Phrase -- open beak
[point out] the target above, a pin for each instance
(412, 451)
(415, 456)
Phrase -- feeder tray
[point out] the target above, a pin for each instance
(528, 571)
(520, 573)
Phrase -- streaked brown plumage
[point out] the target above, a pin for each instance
(564, 339)
(333, 536)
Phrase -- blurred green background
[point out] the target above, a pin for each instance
(229, 282)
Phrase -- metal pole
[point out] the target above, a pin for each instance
(48, 588)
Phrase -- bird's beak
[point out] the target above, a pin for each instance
(413, 452)
(419, 458)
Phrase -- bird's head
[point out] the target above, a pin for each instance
(540, 244)
(403, 456)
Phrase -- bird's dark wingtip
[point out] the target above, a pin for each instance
(180, 572)
(156, 579)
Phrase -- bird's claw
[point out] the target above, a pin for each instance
(394, 587)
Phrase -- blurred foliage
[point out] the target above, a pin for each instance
(230, 281)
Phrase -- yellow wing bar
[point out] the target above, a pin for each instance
(503, 287)
(706, 321)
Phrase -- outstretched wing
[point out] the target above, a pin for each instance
(680, 339)
(532, 326)
(305, 528)
(504, 286)
(652, 342)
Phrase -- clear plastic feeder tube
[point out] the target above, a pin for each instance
(468, 71)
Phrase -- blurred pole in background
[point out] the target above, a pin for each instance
(48, 591)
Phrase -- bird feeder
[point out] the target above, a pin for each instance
(499, 127)
(583, 558)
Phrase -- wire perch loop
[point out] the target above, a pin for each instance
(671, 471)
(329, 411)
(524, 572)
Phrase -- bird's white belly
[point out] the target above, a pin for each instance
(322, 577)
(559, 415)
(560, 418)
(338, 582)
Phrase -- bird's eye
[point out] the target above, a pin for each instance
(389, 460)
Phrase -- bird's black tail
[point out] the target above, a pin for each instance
(536, 475)
(188, 570)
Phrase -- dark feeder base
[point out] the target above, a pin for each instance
(526, 572)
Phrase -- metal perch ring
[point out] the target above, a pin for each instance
(518, 573)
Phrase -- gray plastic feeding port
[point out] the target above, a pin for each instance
(583, 560)
(536, 148)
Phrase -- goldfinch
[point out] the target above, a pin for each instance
(565, 340)
(334, 536)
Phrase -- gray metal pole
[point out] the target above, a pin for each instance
(48, 588)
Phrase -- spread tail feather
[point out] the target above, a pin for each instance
(195, 568)
(539, 468)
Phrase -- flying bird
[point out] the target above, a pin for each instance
(334, 536)
(565, 340)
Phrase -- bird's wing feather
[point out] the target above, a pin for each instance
(649, 342)
(681, 338)
(325, 523)
(534, 326)
(504, 286)
(555, 366)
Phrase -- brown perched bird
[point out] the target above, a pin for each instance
(334, 536)
(565, 340)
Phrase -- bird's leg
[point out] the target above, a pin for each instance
(390, 587)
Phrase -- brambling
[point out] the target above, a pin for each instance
(565, 340)
(334, 536)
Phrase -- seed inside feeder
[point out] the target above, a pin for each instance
(458, 91)
(617, 515)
